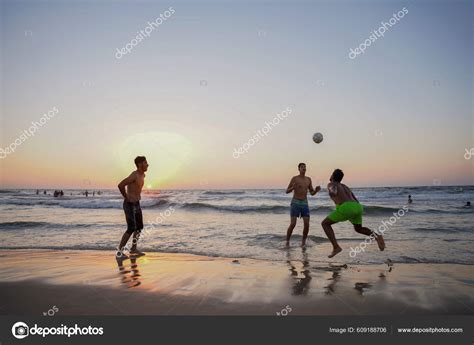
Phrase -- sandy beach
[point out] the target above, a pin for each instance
(83, 282)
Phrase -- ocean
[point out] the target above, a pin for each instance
(437, 228)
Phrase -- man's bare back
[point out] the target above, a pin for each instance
(340, 193)
(135, 183)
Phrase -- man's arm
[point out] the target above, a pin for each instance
(291, 186)
(125, 182)
(332, 189)
(313, 191)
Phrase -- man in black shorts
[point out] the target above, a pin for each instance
(131, 206)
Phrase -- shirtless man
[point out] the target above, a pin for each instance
(131, 207)
(347, 208)
(300, 185)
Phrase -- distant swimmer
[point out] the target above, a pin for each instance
(299, 185)
(409, 199)
(468, 204)
(131, 206)
(347, 208)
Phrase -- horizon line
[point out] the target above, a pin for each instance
(187, 189)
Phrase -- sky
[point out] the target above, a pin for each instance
(208, 78)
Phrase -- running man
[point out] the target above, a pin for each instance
(131, 207)
(300, 185)
(347, 208)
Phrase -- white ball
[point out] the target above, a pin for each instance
(317, 138)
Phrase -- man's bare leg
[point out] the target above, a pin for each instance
(326, 224)
(134, 250)
(136, 237)
(290, 230)
(366, 231)
(305, 230)
(120, 254)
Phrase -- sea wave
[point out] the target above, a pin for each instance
(272, 238)
(80, 203)
(223, 192)
(196, 206)
(35, 225)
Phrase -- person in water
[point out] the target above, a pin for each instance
(409, 199)
(347, 208)
(299, 185)
(131, 206)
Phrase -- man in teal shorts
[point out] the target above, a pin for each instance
(300, 185)
(347, 208)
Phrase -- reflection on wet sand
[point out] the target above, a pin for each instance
(328, 277)
(362, 287)
(88, 283)
(130, 277)
(300, 273)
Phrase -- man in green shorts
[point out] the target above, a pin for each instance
(347, 208)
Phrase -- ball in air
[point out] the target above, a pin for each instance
(317, 137)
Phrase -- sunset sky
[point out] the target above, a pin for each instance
(213, 73)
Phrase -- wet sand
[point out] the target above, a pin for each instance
(32, 282)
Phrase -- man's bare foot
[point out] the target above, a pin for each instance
(303, 245)
(335, 251)
(287, 244)
(380, 241)
(136, 252)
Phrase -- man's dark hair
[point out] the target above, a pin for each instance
(299, 165)
(337, 175)
(139, 159)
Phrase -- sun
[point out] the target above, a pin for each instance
(166, 153)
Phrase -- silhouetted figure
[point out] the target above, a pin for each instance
(44, 192)
(468, 204)
(87, 193)
(37, 191)
(131, 188)
(409, 199)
